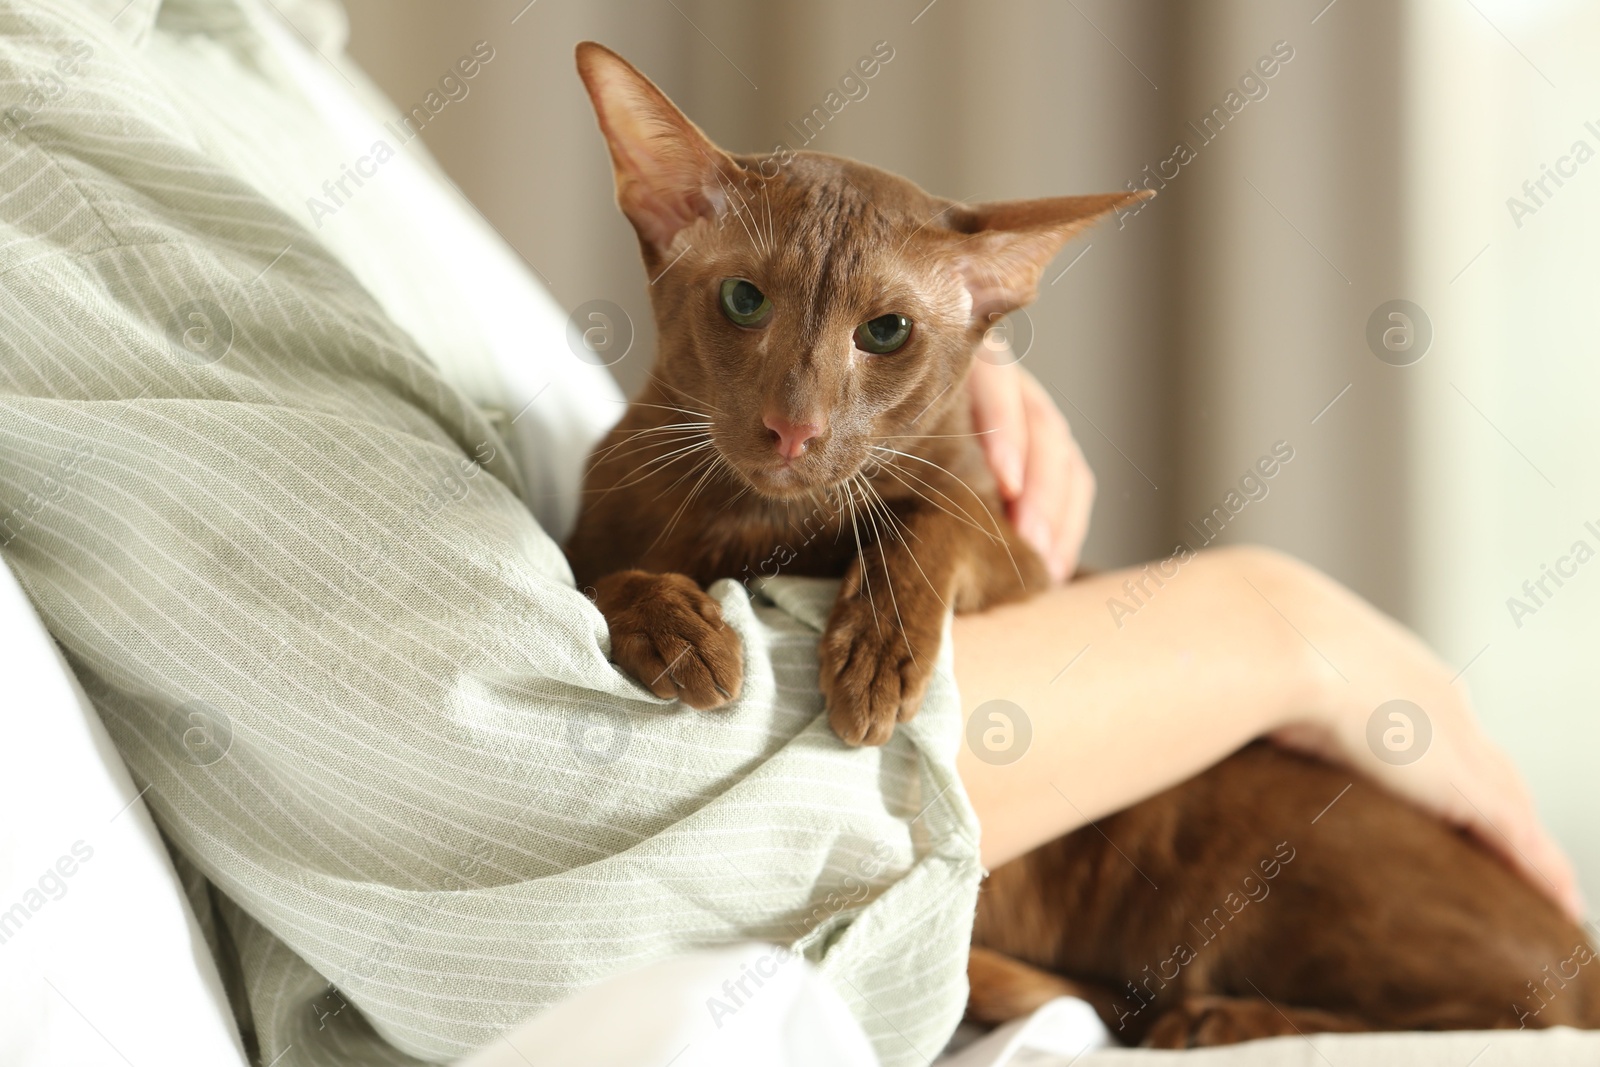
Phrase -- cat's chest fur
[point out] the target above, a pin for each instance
(811, 538)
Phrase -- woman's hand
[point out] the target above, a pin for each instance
(1044, 479)
(1462, 776)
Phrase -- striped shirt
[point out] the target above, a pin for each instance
(258, 475)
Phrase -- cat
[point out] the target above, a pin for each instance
(807, 394)
(806, 415)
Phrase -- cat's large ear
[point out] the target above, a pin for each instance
(666, 170)
(1003, 247)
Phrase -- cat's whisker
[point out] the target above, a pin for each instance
(739, 211)
(823, 497)
(656, 441)
(835, 501)
(878, 544)
(960, 513)
(901, 530)
(744, 488)
(711, 461)
(672, 524)
(670, 428)
(772, 232)
(658, 380)
(698, 424)
(719, 466)
(686, 475)
(755, 217)
(942, 470)
(998, 533)
(904, 529)
(644, 471)
(676, 430)
(944, 503)
(634, 477)
(888, 573)
(669, 407)
(861, 560)
(872, 498)
(652, 465)
(933, 436)
(765, 244)
(689, 444)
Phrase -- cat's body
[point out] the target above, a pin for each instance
(1274, 895)
(806, 416)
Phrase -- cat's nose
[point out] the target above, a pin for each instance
(790, 438)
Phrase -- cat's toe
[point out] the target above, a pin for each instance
(871, 678)
(703, 669)
(671, 637)
(858, 721)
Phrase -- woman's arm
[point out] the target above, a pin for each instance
(1239, 644)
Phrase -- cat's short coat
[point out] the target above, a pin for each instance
(806, 415)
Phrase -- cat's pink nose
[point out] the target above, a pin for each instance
(790, 438)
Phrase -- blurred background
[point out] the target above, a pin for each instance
(1435, 152)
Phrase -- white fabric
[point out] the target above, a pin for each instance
(663, 1014)
(1062, 1029)
(111, 968)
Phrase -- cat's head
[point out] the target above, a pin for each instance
(811, 307)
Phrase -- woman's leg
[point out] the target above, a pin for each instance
(1134, 680)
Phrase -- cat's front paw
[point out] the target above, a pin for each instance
(872, 676)
(668, 633)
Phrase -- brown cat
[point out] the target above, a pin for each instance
(806, 414)
(807, 394)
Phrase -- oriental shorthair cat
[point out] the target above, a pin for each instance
(817, 319)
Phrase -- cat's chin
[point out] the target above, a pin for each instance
(784, 483)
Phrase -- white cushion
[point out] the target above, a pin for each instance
(101, 960)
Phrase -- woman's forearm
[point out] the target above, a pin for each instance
(1130, 681)
(1135, 680)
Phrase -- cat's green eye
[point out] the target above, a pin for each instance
(884, 334)
(743, 303)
